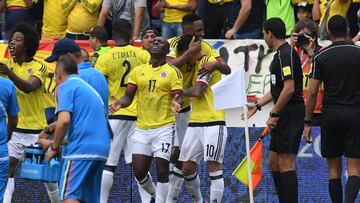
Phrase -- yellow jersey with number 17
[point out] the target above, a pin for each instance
(203, 112)
(116, 65)
(154, 94)
(32, 111)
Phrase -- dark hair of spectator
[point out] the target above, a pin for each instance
(155, 31)
(100, 33)
(276, 26)
(338, 26)
(68, 64)
(183, 43)
(309, 24)
(122, 29)
(31, 38)
(190, 19)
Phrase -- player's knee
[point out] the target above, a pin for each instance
(139, 173)
(162, 174)
(214, 166)
(12, 166)
(274, 165)
(286, 162)
(189, 168)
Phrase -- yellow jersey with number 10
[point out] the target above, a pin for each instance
(116, 65)
(154, 94)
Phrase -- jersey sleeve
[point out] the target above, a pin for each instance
(286, 66)
(316, 70)
(64, 99)
(41, 71)
(176, 80)
(13, 107)
(207, 48)
(132, 76)
(101, 65)
(145, 56)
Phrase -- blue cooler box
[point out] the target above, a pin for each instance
(36, 167)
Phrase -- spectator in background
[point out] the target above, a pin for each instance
(54, 19)
(119, 9)
(357, 36)
(141, 20)
(303, 11)
(216, 19)
(148, 36)
(84, 55)
(323, 10)
(82, 18)
(155, 14)
(304, 39)
(98, 42)
(353, 17)
(282, 9)
(174, 11)
(37, 11)
(16, 11)
(249, 20)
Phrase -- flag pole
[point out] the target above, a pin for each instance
(247, 143)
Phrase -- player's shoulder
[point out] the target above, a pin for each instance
(173, 69)
(39, 65)
(174, 41)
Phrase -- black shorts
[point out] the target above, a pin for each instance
(286, 136)
(340, 131)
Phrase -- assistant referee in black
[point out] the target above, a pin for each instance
(338, 67)
(287, 116)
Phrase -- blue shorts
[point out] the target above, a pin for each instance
(81, 180)
(4, 171)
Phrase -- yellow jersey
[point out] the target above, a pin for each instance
(337, 8)
(175, 15)
(83, 16)
(187, 69)
(220, 2)
(154, 88)
(32, 114)
(116, 65)
(49, 86)
(54, 19)
(203, 112)
(20, 3)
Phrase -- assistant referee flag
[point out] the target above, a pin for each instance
(241, 171)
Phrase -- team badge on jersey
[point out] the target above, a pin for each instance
(163, 74)
(29, 71)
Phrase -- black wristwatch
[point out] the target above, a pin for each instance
(308, 122)
(273, 114)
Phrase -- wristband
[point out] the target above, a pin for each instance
(273, 114)
(258, 107)
(54, 149)
(307, 122)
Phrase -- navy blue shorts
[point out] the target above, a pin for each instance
(13, 17)
(81, 180)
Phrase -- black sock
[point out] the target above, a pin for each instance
(277, 183)
(335, 190)
(289, 183)
(352, 189)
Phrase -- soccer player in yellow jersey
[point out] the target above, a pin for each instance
(206, 135)
(116, 65)
(28, 75)
(154, 85)
(149, 35)
(191, 25)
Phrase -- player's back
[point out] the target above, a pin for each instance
(116, 65)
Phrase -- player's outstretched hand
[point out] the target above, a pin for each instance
(45, 143)
(4, 69)
(251, 111)
(175, 106)
(114, 106)
(306, 134)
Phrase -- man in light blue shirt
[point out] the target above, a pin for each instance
(8, 108)
(82, 119)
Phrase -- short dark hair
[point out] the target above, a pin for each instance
(184, 43)
(190, 19)
(156, 32)
(68, 64)
(31, 38)
(122, 29)
(338, 26)
(100, 33)
(309, 24)
(276, 26)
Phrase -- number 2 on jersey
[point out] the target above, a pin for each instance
(126, 64)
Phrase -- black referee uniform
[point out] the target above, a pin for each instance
(286, 136)
(338, 66)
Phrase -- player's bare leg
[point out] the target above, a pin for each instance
(141, 166)
(192, 180)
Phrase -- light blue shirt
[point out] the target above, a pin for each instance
(88, 135)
